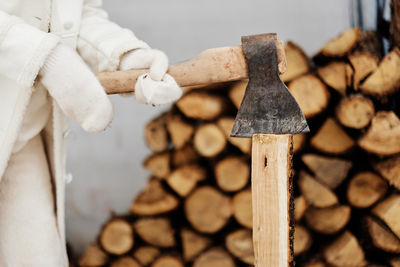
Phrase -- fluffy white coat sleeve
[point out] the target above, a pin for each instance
(101, 42)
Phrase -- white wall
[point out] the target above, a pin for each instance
(107, 167)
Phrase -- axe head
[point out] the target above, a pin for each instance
(267, 106)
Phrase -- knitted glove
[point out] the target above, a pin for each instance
(155, 87)
(76, 89)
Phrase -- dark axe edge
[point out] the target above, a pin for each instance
(267, 106)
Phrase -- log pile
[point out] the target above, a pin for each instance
(196, 208)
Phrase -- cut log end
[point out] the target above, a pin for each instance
(156, 231)
(125, 262)
(355, 111)
(240, 244)
(94, 256)
(215, 257)
(232, 173)
(382, 238)
(343, 44)
(389, 212)
(297, 62)
(167, 261)
(117, 237)
(201, 105)
(334, 75)
(302, 240)
(209, 140)
(156, 134)
(328, 220)
(193, 244)
(390, 170)
(146, 255)
(242, 209)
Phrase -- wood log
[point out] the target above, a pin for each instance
(395, 262)
(146, 255)
(370, 42)
(94, 256)
(226, 124)
(232, 173)
(345, 251)
(214, 257)
(155, 231)
(167, 261)
(240, 244)
(389, 212)
(310, 93)
(315, 193)
(297, 62)
(302, 240)
(236, 93)
(332, 139)
(343, 44)
(154, 200)
(209, 140)
(158, 164)
(125, 261)
(300, 207)
(315, 263)
(394, 29)
(242, 209)
(299, 141)
(328, 220)
(327, 170)
(385, 79)
(183, 156)
(193, 244)
(156, 134)
(334, 74)
(117, 237)
(201, 105)
(381, 237)
(184, 179)
(179, 130)
(390, 170)
(208, 210)
(363, 64)
(355, 111)
(365, 189)
(383, 136)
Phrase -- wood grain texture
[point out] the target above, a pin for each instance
(271, 166)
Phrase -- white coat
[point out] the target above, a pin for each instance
(29, 30)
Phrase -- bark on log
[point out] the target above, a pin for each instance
(117, 237)
(328, 220)
(155, 231)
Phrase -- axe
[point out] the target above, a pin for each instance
(268, 114)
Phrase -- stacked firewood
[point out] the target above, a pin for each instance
(196, 209)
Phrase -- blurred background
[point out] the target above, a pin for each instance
(107, 168)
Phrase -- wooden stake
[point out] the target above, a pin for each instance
(271, 167)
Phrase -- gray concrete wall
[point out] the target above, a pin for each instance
(107, 167)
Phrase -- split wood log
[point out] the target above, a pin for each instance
(167, 261)
(365, 189)
(334, 75)
(156, 134)
(232, 173)
(242, 209)
(343, 44)
(226, 124)
(208, 210)
(363, 64)
(315, 193)
(155, 231)
(93, 257)
(327, 170)
(389, 212)
(236, 93)
(158, 164)
(125, 261)
(299, 141)
(214, 257)
(201, 105)
(300, 207)
(332, 139)
(395, 262)
(179, 131)
(184, 179)
(383, 136)
(154, 200)
(146, 255)
(382, 238)
(355, 111)
(328, 220)
(385, 79)
(193, 244)
(209, 140)
(310, 93)
(297, 62)
(183, 156)
(302, 240)
(117, 237)
(390, 170)
(345, 251)
(240, 244)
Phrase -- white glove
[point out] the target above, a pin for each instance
(155, 87)
(76, 89)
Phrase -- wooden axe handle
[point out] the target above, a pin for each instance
(214, 65)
